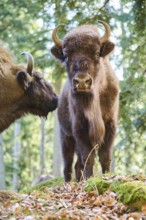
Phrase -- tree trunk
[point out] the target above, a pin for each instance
(2, 166)
(57, 155)
(42, 147)
(16, 154)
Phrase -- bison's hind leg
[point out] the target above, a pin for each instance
(68, 148)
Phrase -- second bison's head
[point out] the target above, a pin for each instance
(39, 97)
(82, 51)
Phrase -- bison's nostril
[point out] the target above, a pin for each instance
(88, 82)
(76, 83)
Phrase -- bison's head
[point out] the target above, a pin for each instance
(39, 98)
(82, 50)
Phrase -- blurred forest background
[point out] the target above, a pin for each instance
(30, 147)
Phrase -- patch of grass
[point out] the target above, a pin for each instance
(48, 183)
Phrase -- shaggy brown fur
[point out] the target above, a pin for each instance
(21, 93)
(88, 105)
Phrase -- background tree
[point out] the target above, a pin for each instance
(16, 154)
(2, 166)
(131, 147)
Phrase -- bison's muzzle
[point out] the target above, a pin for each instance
(82, 84)
(54, 103)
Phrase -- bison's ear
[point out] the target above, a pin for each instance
(57, 52)
(23, 78)
(106, 48)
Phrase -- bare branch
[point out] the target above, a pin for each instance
(106, 1)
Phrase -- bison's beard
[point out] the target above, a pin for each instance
(83, 97)
(87, 108)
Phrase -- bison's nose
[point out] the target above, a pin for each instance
(82, 83)
(54, 103)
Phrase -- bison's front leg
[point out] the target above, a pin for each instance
(88, 161)
(85, 163)
(105, 150)
(79, 168)
(68, 148)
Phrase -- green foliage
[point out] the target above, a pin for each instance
(131, 131)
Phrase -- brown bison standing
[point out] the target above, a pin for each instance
(22, 90)
(88, 105)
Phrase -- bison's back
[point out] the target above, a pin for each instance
(10, 89)
(7, 63)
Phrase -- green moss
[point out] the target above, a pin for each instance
(132, 194)
(97, 183)
(48, 183)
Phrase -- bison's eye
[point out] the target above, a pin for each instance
(39, 79)
(65, 57)
(98, 55)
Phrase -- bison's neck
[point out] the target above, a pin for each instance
(9, 114)
(87, 112)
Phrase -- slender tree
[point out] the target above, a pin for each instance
(16, 155)
(42, 147)
(2, 166)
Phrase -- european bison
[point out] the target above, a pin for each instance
(22, 90)
(88, 105)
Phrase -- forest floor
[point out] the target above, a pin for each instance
(99, 198)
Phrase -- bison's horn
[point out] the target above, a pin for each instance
(30, 62)
(55, 38)
(107, 32)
